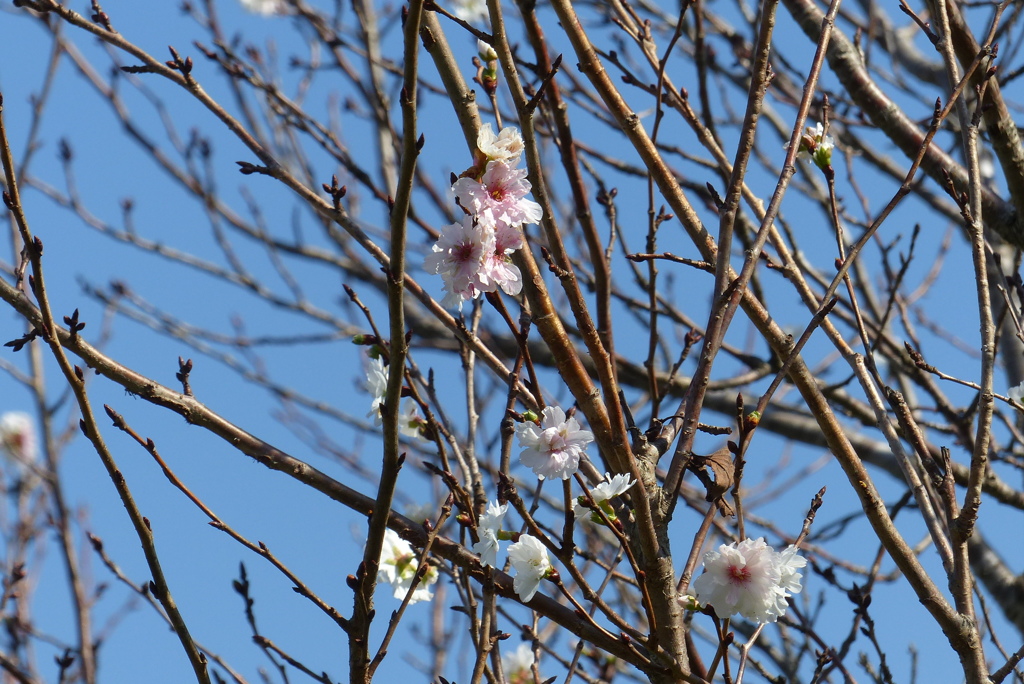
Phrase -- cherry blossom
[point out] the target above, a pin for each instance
(471, 10)
(601, 493)
(517, 664)
(377, 386)
(264, 7)
(488, 529)
(817, 146)
(459, 258)
(410, 421)
(398, 566)
(18, 436)
(1016, 393)
(529, 558)
(500, 193)
(749, 578)
(506, 146)
(554, 448)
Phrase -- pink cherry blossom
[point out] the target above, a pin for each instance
(554, 448)
(459, 257)
(500, 193)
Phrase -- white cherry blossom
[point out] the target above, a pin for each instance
(377, 386)
(471, 10)
(530, 560)
(488, 529)
(398, 565)
(554, 448)
(517, 664)
(749, 578)
(506, 146)
(264, 7)
(611, 488)
(18, 436)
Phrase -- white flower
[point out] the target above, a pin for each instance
(1016, 393)
(817, 146)
(530, 560)
(554, 449)
(398, 565)
(377, 386)
(517, 664)
(471, 10)
(749, 578)
(789, 562)
(610, 489)
(265, 7)
(18, 436)
(410, 421)
(488, 529)
(506, 147)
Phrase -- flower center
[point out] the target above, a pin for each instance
(738, 574)
(464, 252)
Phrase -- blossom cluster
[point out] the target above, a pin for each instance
(749, 578)
(528, 556)
(398, 567)
(473, 256)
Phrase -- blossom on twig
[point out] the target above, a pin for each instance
(554, 448)
(459, 256)
(398, 566)
(530, 560)
(817, 146)
(488, 529)
(506, 146)
(601, 493)
(499, 194)
(749, 578)
(377, 386)
(471, 10)
(517, 664)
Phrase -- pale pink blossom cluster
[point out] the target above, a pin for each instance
(473, 256)
(749, 578)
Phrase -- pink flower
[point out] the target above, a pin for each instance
(459, 257)
(554, 449)
(749, 578)
(500, 193)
